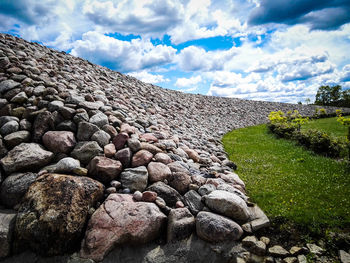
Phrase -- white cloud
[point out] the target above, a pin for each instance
(122, 55)
(188, 82)
(148, 77)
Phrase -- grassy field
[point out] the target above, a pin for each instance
(288, 181)
(328, 125)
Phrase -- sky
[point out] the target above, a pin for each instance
(270, 50)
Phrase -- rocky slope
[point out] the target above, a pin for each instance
(93, 161)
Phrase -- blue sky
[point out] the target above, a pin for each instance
(263, 50)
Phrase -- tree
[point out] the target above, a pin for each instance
(332, 96)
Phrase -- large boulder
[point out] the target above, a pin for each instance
(228, 204)
(59, 141)
(119, 221)
(14, 187)
(215, 228)
(135, 179)
(7, 225)
(104, 169)
(26, 156)
(54, 211)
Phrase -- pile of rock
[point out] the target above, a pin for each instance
(92, 159)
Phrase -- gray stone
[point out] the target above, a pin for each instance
(290, 260)
(278, 251)
(55, 105)
(14, 187)
(314, 249)
(67, 126)
(3, 150)
(9, 127)
(67, 165)
(99, 119)
(194, 201)
(302, 259)
(169, 194)
(101, 137)
(344, 256)
(24, 124)
(20, 98)
(26, 156)
(16, 138)
(86, 130)
(5, 119)
(85, 151)
(215, 228)
(7, 224)
(135, 178)
(124, 156)
(206, 189)
(7, 85)
(181, 224)
(81, 116)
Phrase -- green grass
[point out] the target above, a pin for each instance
(287, 181)
(328, 125)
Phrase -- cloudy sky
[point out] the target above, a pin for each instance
(275, 50)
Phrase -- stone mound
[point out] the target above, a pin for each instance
(93, 161)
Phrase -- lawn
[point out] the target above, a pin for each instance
(328, 125)
(287, 181)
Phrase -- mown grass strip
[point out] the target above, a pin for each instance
(287, 181)
(327, 125)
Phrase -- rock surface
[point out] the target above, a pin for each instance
(7, 224)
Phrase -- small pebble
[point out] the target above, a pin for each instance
(137, 196)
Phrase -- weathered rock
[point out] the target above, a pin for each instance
(124, 156)
(67, 165)
(42, 124)
(7, 85)
(162, 158)
(109, 150)
(215, 228)
(101, 137)
(158, 172)
(7, 225)
(206, 189)
(135, 178)
(86, 130)
(344, 256)
(193, 201)
(314, 249)
(278, 251)
(180, 181)
(57, 207)
(99, 119)
(192, 154)
(120, 140)
(17, 138)
(14, 187)
(228, 204)
(149, 196)
(150, 147)
(20, 98)
(134, 144)
(59, 141)
(141, 158)
(3, 150)
(85, 151)
(9, 127)
(137, 196)
(181, 224)
(169, 194)
(104, 169)
(55, 105)
(118, 221)
(26, 156)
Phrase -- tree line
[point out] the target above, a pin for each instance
(333, 96)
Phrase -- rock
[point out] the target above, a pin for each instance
(4, 62)
(86, 130)
(57, 208)
(26, 156)
(59, 141)
(178, 167)
(66, 126)
(7, 85)
(215, 228)
(120, 140)
(158, 172)
(180, 181)
(141, 158)
(99, 119)
(67, 165)
(148, 137)
(9, 127)
(85, 151)
(42, 124)
(162, 158)
(104, 169)
(124, 156)
(14, 187)
(150, 147)
(169, 194)
(118, 221)
(278, 251)
(16, 138)
(296, 250)
(137, 196)
(192, 154)
(109, 150)
(127, 128)
(193, 201)
(344, 257)
(206, 189)
(230, 164)
(266, 240)
(101, 137)
(7, 224)
(249, 241)
(149, 196)
(20, 98)
(314, 249)
(3, 150)
(228, 204)
(80, 171)
(81, 116)
(302, 259)
(181, 224)
(5, 119)
(179, 204)
(55, 105)
(135, 178)
(111, 190)
(290, 260)
(134, 144)
(116, 184)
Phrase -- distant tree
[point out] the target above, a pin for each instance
(307, 101)
(333, 96)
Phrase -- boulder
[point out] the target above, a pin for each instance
(135, 178)
(59, 141)
(120, 221)
(67, 165)
(124, 156)
(162, 158)
(164, 191)
(86, 130)
(43, 122)
(141, 158)
(7, 225)
(14, 187)
(7, 85)
(104, 169)
(216, 228)
(194, 201)
(109, 150)
(99, 119)
(180, 181)
(101, 137)
(85, 151)
(181, 224)
(228, 204)
(17, 138)
(134, 144)
(9, 127)
(26, 156)
(158, 172)
(120, 140)
(57, 208)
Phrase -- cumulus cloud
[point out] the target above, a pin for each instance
(148, 77)
(321, 14)
(188, 82)
(120, 55)
(345, 74)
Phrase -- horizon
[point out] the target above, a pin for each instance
(257, 50)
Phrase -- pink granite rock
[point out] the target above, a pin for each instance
(120, 140)
(124, 156)
(149, 196)
(158, 172)
(163, 158)
(109, 150)
(180, 181)
(148, 137)
(141, 158)
(192, 154)
(126, 128)
(59, 141)
(104, 169)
